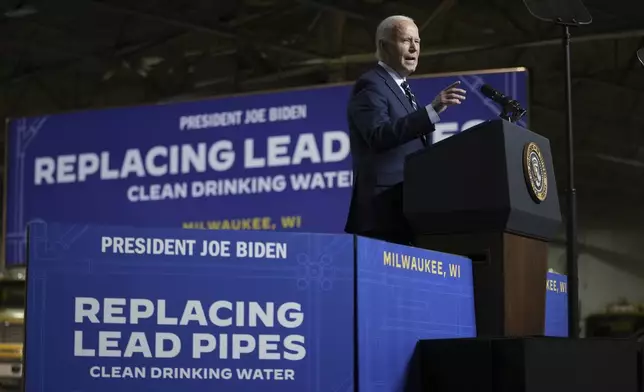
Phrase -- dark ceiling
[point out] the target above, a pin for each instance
(60, 55)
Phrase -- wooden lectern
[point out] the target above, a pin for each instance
(489, 193)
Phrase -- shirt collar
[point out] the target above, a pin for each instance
(395, 75)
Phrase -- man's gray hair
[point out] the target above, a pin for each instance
(385, 29)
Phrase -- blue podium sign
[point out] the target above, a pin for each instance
(556, 305)
(187, 310)
(405, 294)
(116, 308)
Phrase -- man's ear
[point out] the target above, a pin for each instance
(383, 46)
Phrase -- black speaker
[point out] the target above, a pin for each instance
(529, 365)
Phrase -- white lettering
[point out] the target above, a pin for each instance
(286, 113)
(220, 313)
(280, 150)
(210, 120)
(158, 161)
(261, 250)
(148, 246)
(117, 372)
(321, 180)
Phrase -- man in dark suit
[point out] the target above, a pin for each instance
(385, 125)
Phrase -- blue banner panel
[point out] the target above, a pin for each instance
(556, 305)
(270, 161)
(406, 294)
(123, 309)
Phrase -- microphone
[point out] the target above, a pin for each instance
(495, 95)
(507, 103)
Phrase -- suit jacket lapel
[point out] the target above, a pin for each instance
(395, 89)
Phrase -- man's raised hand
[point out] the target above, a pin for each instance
(451, 95)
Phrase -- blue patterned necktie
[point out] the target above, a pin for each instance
(409, 94)
(412, 100)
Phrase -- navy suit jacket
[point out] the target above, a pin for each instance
(383, 130)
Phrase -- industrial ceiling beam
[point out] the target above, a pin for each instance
(215, 31)
(438, 12)
(103, 57)
(368, 57)
(349, 12)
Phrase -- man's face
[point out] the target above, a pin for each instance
(402, 49)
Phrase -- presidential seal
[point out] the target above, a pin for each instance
(534, 170)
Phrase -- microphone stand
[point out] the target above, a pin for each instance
(568, 13)
(512, 111)
(505, 113)
(571, 223)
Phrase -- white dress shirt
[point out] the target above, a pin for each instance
(433, 116)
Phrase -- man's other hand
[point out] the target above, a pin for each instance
(451, 95)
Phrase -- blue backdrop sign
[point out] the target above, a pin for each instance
(113, 308)
(274, 161)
